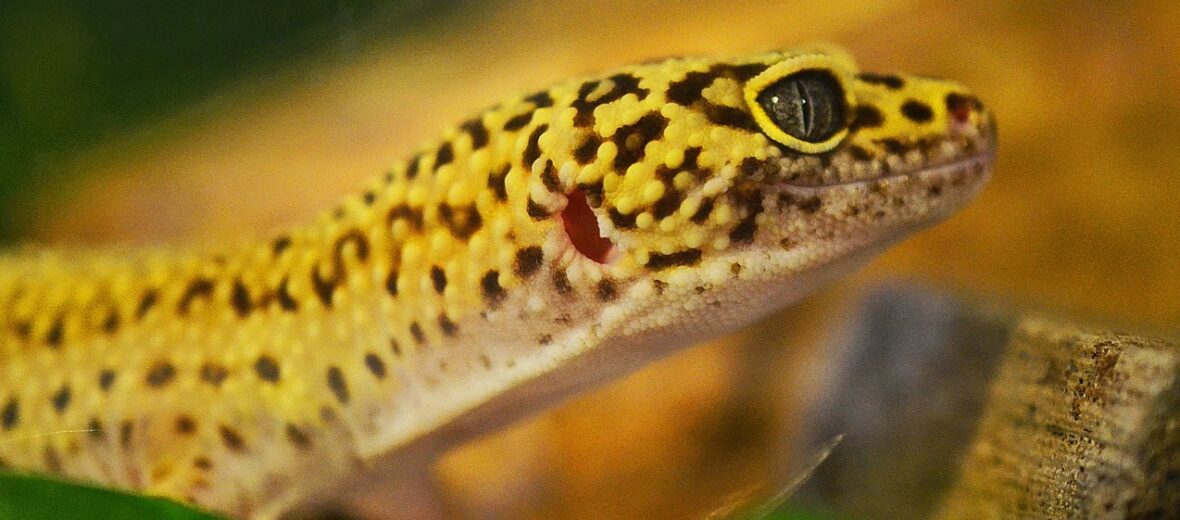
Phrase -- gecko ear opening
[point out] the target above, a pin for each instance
(581, 225)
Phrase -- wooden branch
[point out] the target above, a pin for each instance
(1077, 425)
(953, 409)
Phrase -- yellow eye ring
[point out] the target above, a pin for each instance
(818, 75)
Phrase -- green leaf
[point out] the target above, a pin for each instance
(30, 497)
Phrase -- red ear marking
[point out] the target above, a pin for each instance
(582, 227)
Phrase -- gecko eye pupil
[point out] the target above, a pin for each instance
(807, 105)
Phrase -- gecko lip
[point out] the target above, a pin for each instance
(980, 162)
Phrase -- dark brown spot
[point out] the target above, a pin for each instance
(621, 220)
(702, 212)
(588, 150)
(283, 296)
(106, 378)
(160, 374)
(395, 347)
(61, 398)
(231, 439)
(893, 146)
(462, 222)
(690, 159)
(240, 299)
(279, 245)
(934, 190)
(750, 166)
(668, 203)
(631, 140)
(496, 182)
(200, 287)
(493, 293)
(745, 230)
(528, 261)
(659, 261)
(917, 111)
(391, 283)
(325, 287)
(412, 167)
(584, 115)
(866, 116)
(743, 72)
(202, 463)
(809, 205)
(659, 286)
(297, 437)
(561, 282)
(416, 332)
(10, 414)
(185, 425)
(213, 374)
(447, 326)
(110, 324)
(375, 365)
(518, 121)
(446, 154)
(887, 80)
(337, 384)
(593, 192)
(621, 85)
(550, 179)
(545, 339)
(327, 414)
(858, 153)
(733, 117)
(606, 290)
(536, 211)
(360, 244)
(748, 226)
(688, 90)
(532, 150)
(540, 99)
(368, 197)
(125, 430)
(53, 336)
(267, 369)
(477, 131)
(22, 329)
(94, 429)
(438, 277)
(412, 216)
(146, 302)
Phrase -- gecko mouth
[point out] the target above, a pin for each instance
(976, 163)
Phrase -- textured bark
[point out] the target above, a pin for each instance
(1077, 425)
(954, 409)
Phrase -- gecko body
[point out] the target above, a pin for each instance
(551, 242)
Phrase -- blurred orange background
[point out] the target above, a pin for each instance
(1082, 217)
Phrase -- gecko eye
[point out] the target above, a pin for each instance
(807, 105)
(802, 102)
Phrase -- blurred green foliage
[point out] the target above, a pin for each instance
(24, 497)
(74, 71)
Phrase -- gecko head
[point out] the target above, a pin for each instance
(752, 179)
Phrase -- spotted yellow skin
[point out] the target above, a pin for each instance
(447, 298)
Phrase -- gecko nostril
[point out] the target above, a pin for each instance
(960, 106)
